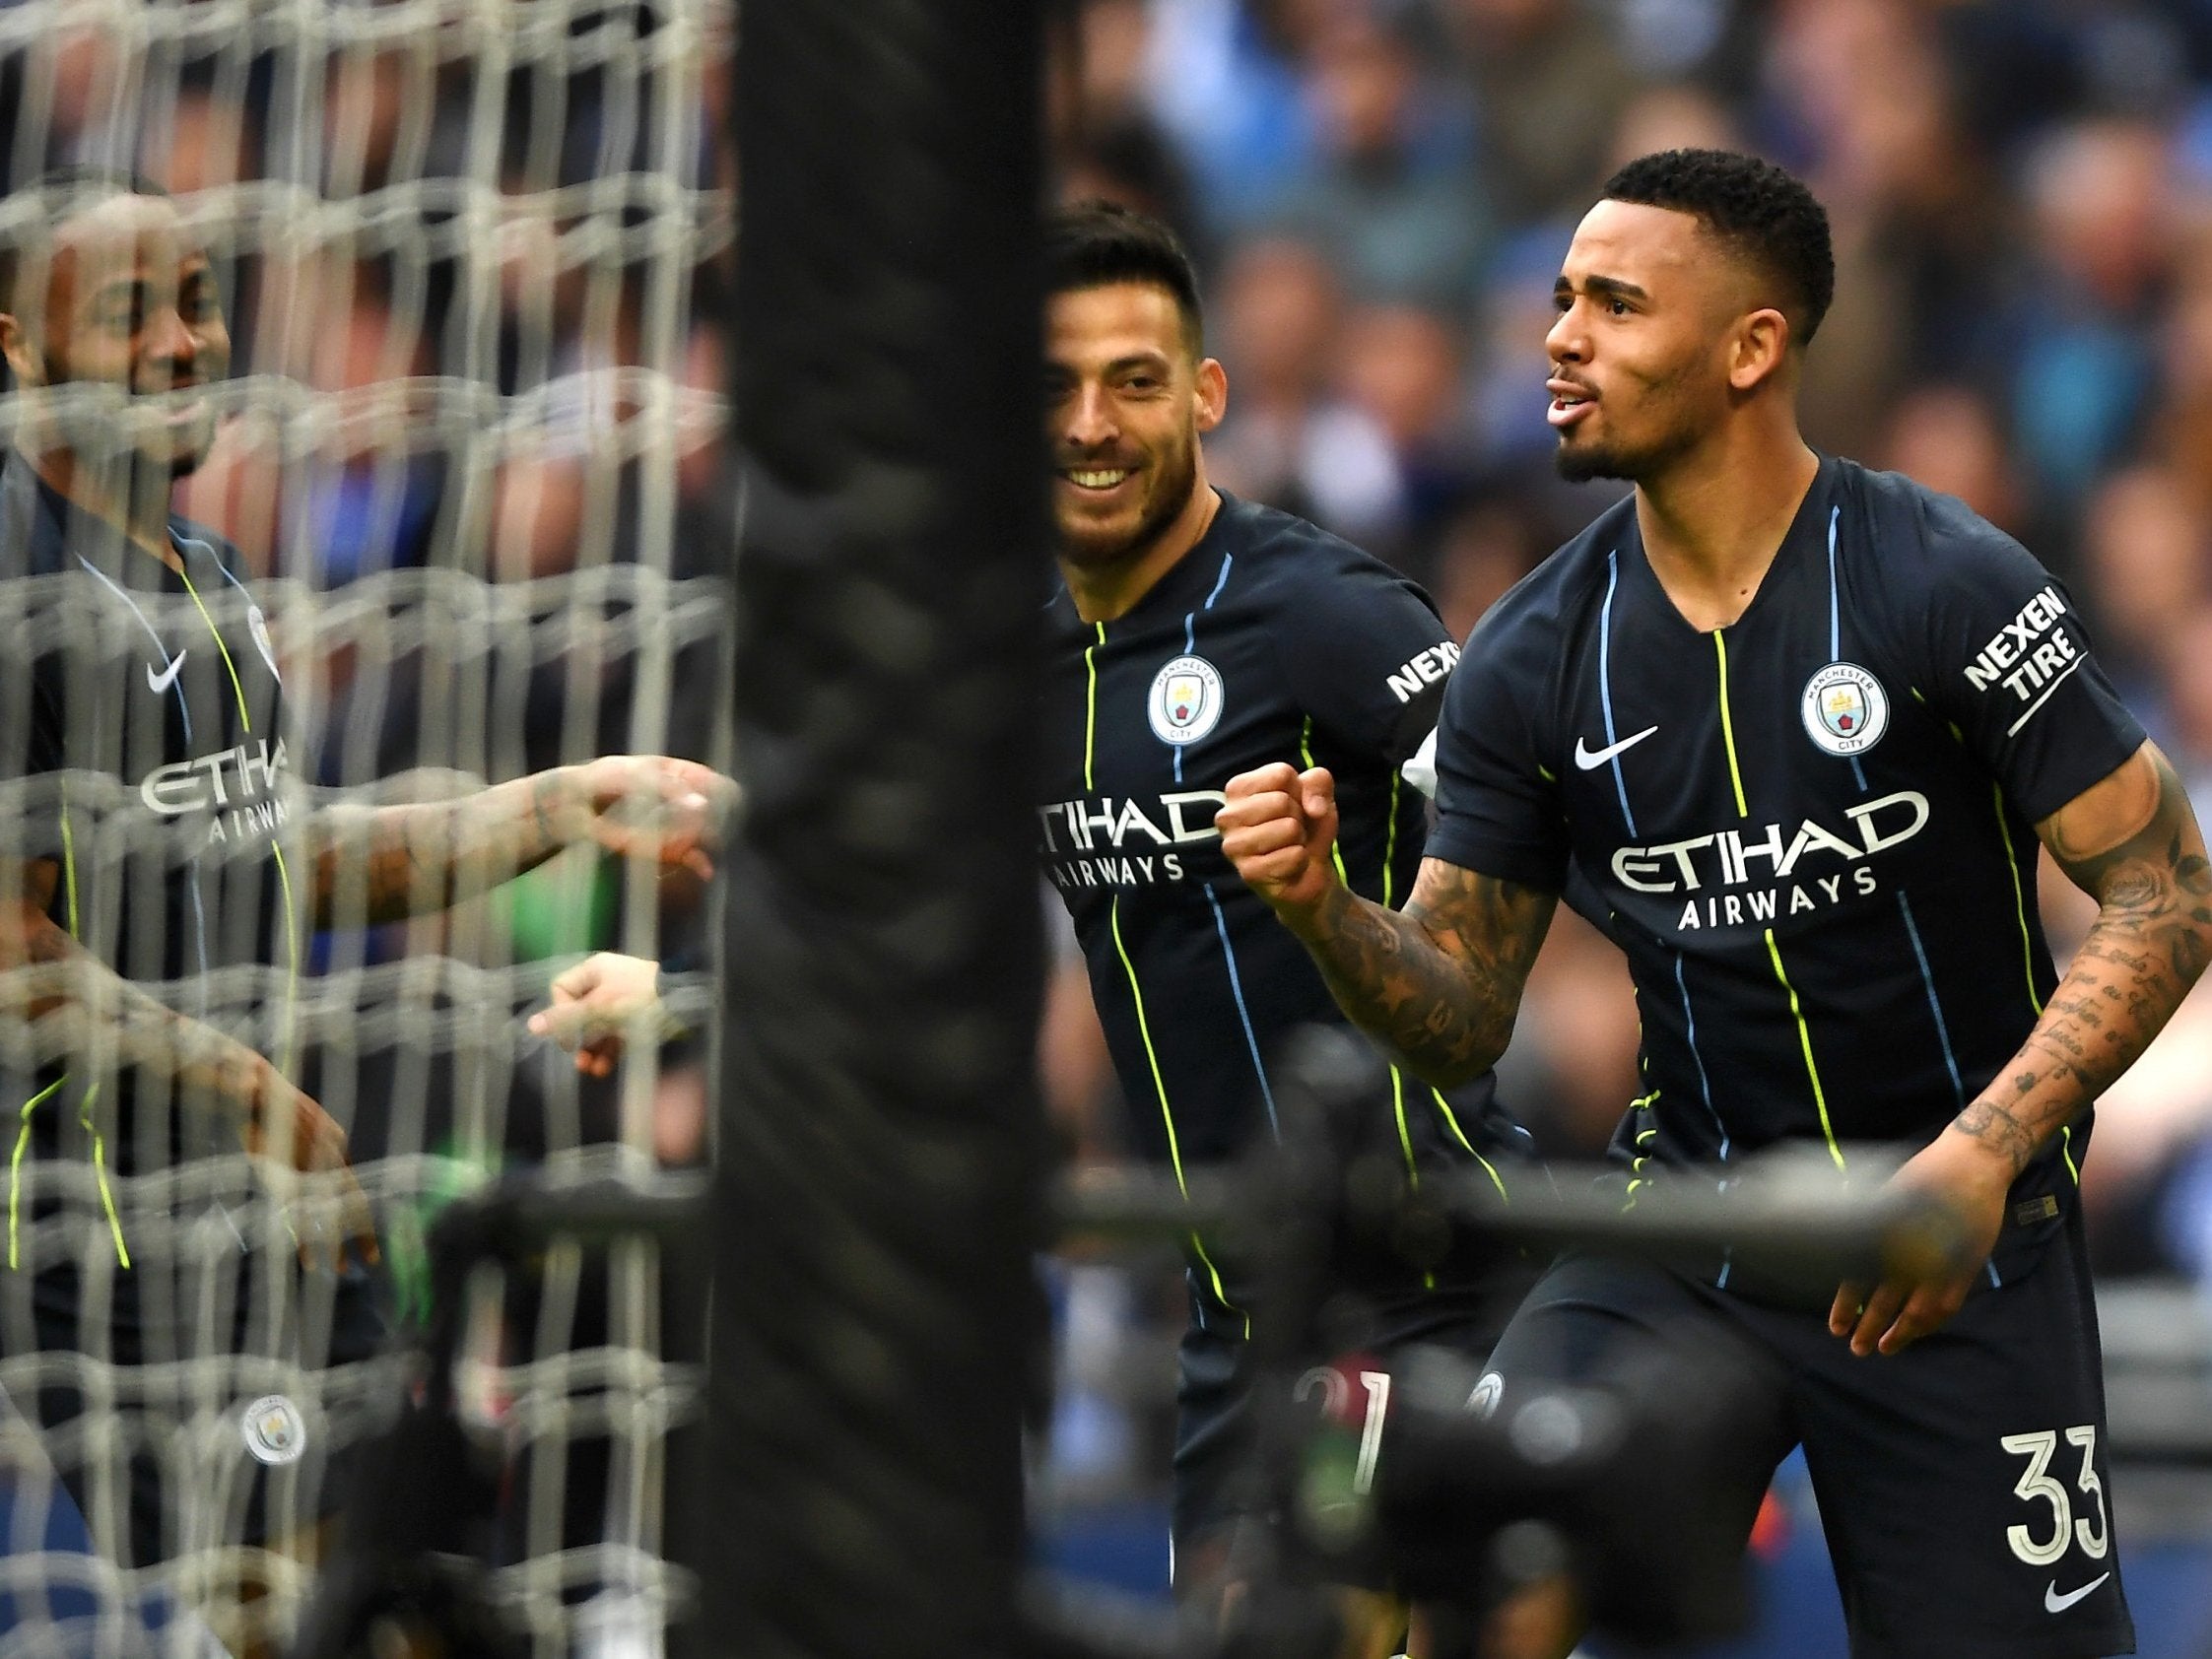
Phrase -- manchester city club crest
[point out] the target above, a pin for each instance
(1846, 709)
(1185, 701)
(275, 1432)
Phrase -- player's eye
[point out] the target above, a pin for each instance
(1618, 307)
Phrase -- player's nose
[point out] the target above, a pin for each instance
(1089, 418)
(1567, 340)
(169, 345)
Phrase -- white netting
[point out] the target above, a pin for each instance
(467, 470)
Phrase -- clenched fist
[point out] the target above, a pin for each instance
(1279, 830)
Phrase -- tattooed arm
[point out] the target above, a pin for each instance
(1435, 985)
(383, 864)
(81, 1005)
(2132, 843)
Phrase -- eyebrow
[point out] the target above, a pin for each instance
(1124, 364)
(188, 282)
(1608, 286)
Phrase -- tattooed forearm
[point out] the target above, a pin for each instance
(2138, 851)
(1438, 986)
(383, 864)
(76, 1004)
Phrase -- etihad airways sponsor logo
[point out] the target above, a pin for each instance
(1734, 876)
(1104, 840)
(234, 786)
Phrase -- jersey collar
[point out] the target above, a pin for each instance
(1805, 539)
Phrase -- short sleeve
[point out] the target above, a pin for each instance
(1369, 658)
(1497, 810)
(2011, 666)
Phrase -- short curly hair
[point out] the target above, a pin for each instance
(1759, 211)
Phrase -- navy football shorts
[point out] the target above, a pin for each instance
(1964, 1485)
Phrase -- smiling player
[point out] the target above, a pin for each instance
(156, 857)
(1194, 637)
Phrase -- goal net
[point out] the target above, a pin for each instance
(467, 514)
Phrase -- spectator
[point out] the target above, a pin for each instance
(2145, 549)
(1400, 365)
(1947, 437)
(1548, 76)
(2097, 192)
(1287, 440)
(1392, 196)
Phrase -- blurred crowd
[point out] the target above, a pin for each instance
(1380, 192)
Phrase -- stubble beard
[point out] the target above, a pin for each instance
(1170, 493)
(1681, 425)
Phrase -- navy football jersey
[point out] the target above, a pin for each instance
(147, 761)
(1813, 829)
(1270, 640)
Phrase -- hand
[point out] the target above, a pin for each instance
(595, 1003)
(287, 1126)
(1278, 829)
(654, 804)
(1975, 1181)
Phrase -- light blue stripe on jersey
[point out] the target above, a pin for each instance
(1244, 1014)
(1191, 649)
(1605, 678)
(1221, 922)
(183, 709)
(1935, 1007)
(176, 686)
(1705, 1083)
(1836, 625)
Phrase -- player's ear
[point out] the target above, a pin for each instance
(1758, 348)
(23, 358)
(1211, 392)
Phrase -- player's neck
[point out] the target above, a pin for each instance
(1713, 524)
(1105, 594)
(140, 511)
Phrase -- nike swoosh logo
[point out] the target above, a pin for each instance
(1586, 758)
(2054, 1602)
(162, 680)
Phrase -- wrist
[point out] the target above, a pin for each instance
(1994, 1140)
(1310, 912)
(561, 806)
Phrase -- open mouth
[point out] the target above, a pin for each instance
(1570, 404)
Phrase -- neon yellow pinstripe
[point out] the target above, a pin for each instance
(1805, 1042)
(222, 650)
(2019, 902)
(1160, 1090)
(1091, 703)
(1728, 725)
(1451, 1122)
(15, 1164)
(1306, 753)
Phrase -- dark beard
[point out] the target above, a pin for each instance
(1595, 461)
(1582, 466)
(1178, 478)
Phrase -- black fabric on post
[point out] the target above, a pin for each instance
(877, 1190)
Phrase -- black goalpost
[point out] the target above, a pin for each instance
(875, 1202)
